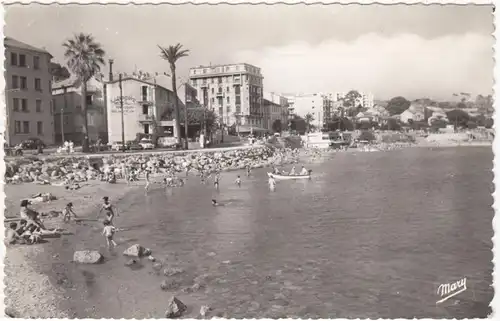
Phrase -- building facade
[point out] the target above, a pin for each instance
(67, 104)
(28, 93)
(318, 105)
(234, 92)
(148, 106)
(275, 107)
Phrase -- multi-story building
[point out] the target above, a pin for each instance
(233, 92)
(28, 94)
(275, 107)
(67, 104)
(318, 105)
(148, 105)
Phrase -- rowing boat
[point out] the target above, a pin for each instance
(284, 177)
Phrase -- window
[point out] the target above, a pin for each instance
(227, 99)
(227, 89)
(38, 107)
(13, 60)
(144, 93)
(24, 105)
(36, 62)
(145, 109)
(194, 82)
(228, 109)
(237, 90)
(238, 100)
(38, 84)
(88, 100)
(78, 109)
(238, 109)
(39, 128)
(15, 104)
(24, 82)
(26, 127)
(213, 100)
(204, 71)
(22, 60)
(219, 80)
(17, 127)
(15, 82)
(146, 128)
(213, 91)
(221, 110)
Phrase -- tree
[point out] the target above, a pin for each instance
(488, 123)
(338, 123)
(309, 119)
(58, 72)
(84, 58)
(458, 117)
(351, 98)
(172, 54)
(298, 124)
(276, 126)
(397, 105)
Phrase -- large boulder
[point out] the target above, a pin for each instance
(87, 257)
(135, 250)
(175, 308)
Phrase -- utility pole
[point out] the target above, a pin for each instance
(121, 108)
(65, 91)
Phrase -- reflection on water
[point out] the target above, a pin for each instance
(369, 236)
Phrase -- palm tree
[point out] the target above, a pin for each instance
(172, 54)
(309, 119)
(84, 58)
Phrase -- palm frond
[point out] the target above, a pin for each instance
(84, 56)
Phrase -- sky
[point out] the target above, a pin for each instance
(400, 50)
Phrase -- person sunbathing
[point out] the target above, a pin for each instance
(11, 236)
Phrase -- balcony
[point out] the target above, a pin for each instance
(145, 118)
(146, 100)
(237, 82)
(219, 94)
(204, 85)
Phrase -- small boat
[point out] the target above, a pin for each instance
(284, 177)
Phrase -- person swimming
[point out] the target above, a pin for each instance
(214, 202)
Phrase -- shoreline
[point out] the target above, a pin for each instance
(36, 283)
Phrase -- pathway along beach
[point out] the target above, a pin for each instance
(372, 235)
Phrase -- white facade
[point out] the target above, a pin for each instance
(318, 105)
(233, 92)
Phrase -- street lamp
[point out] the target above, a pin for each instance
(121, 109)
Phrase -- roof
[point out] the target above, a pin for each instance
(138, 80)
(70, 82)
(13, 43)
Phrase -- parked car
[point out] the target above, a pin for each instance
(117, 146)
(133, 145)
(146, 143)
(32, 143)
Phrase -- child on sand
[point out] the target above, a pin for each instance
(108, 209)
(11, 235)
(109, 231)
(68, 211)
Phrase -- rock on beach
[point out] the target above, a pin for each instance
(135, 250)
(175, 308)
(88, 257)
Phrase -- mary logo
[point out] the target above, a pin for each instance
(449, 290)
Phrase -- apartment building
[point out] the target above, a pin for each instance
(234, 92)
(318, 105)
(28, 94)
(275, 107)
(67, 104)
(147, 104)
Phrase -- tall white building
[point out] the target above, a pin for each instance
(318, 105)
(234, 92)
